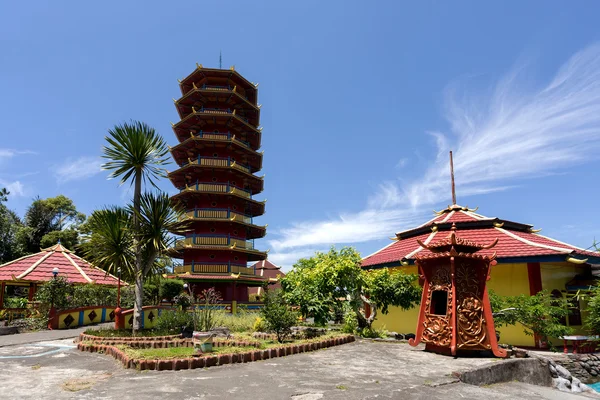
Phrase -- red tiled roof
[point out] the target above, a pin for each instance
(38, 268)
(514, 239)
(267, 270)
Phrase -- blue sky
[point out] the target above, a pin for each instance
(361, 102)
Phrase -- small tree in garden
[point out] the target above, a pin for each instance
(592, 323)
(57, 291)
(539, 315)
(279, 317)
(320, 284)
(205, 315)
(169, 288)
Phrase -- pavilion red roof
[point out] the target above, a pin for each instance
(267, 270)
(515, 240)
(38, 268)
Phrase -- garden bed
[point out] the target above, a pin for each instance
(177, 354)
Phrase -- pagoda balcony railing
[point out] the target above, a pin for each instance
(226, 88)
(217, 162)
(215, 241)
(225, 136)
(227, 111)
(217, 187)
(215, 268)
(218, 213)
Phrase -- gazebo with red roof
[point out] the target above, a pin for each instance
(35, 269)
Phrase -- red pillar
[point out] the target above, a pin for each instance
(2, 289)
(534, 273)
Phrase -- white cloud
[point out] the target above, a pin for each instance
(285, 260)
(78, 169)
(9, 153)
(16, 188)
(498, 138)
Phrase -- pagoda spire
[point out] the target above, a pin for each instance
(452, 179)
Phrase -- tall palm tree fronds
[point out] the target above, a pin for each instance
(135, 147)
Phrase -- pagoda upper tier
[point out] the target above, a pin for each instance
(218, 158)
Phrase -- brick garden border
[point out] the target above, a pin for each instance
(158, 342)
(214, 360)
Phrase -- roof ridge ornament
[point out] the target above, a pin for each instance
(456, 245)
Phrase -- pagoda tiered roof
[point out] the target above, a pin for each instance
(517, 242)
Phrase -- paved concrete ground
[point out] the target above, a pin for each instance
(360, 370)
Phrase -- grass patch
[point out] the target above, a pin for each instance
(178, 352)
(110, 333)
(341, 387)
(36, 366)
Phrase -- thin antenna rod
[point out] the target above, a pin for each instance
(220, 60)
(452, 179)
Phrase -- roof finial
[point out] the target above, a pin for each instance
(220, 60)
(452, 179)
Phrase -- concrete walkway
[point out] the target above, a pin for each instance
(42, 336)
(360, 370)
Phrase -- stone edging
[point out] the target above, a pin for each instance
(214, 360)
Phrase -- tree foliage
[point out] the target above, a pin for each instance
(318, 285)
(46, 222)
(539, 315)
(592, 323)
(278, 315)
(136, 153)
(10, 224)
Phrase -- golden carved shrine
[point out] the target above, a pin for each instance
(455, 313)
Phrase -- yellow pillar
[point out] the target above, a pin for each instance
(233, 306)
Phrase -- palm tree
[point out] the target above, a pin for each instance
(136, 153)
(112, 241)
(109, 242)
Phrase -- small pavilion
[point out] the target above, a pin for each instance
(35, 269)
(526, 263)
(266, 269)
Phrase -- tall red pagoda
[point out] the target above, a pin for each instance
(218, 158)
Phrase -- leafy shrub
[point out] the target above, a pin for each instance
(174, 321)
(593, 320)
(206, 315)
(350, 323)
(279, 317)
(539, 315)
(151, 293)
(93, 295)
(170, 288)
(184, 300)
(259, 325)
(15, 302)
(57, 291)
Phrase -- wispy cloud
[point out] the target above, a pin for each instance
(78, 169)
(9, 153)
(515, 131)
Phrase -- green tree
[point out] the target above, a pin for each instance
(113, 237)
(136, 153)
(48, 220)
(10, 224)
(539, 315)
(279, 317)
(318, 285)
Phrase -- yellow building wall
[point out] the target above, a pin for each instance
(505, 279)
(511, 280)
